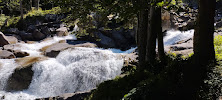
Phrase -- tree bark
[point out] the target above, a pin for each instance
(142, 34)
(37, 4)
(151, 37)
(204, 52)
(30, 2)
(21, 9)
(161, 53)
(203, 36)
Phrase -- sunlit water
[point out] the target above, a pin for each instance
(73, 70)
(174, 36)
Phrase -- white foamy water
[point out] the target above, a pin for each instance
(73, 70)
(6, 69)
(33, 49)
(174, 36)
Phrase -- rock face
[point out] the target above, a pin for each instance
(54, 49)
(88, 45)
(22, 76)
(63, 31)
(20, 54)
(119, 39)
(105, 41)
(6, 54)
(37, 35)
(11, 47)
(3, 40)
(182, 47)
(26, 36)
(12, 39)
(12, 31)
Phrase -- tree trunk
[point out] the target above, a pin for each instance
(203, 36)
(30, 2)
(203, 48)
(151, 37)
(21, 9)
(142, 34)
(161, 53)
(37, 4)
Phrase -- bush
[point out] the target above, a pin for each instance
(218, 47)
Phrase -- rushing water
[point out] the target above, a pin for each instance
(174, 36)
(73, 70)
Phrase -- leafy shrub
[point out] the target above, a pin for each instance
(218, 47)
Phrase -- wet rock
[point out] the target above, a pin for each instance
(70, 96)
(19, 53)
(22, 76)
(6, 54)
(54, 49)
(25, 36)
(12, 39)
(52, 30)
(177, 48)
(12, 31)
(37, 35)
(104, 41)
(46, 31)
(31, 28)
(74, 42)
(50, 17)
(88, 45)
(3, 40)
(11, 47)
(63, 31)
(120, 40)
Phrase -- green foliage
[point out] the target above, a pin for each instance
(31, 15)
(40, 12)
(218, 47)
(114, 89)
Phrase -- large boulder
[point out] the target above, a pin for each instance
(3, 40)
(11, 47)
(63, 31)
(31, 28)
(25, 36)
(22, 76)
(119, 39)
(6, 54)
(12, 39)
(104, 41)
(87, 45)
(50, 17)
(12, 31)
(45, 30)
(19, 53)
(37, 35)
(54, 49)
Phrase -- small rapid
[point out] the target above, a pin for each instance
(174, 36)
(73, 70)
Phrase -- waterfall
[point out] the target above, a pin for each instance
(73, 70)
(7, 67)
(174, 36)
